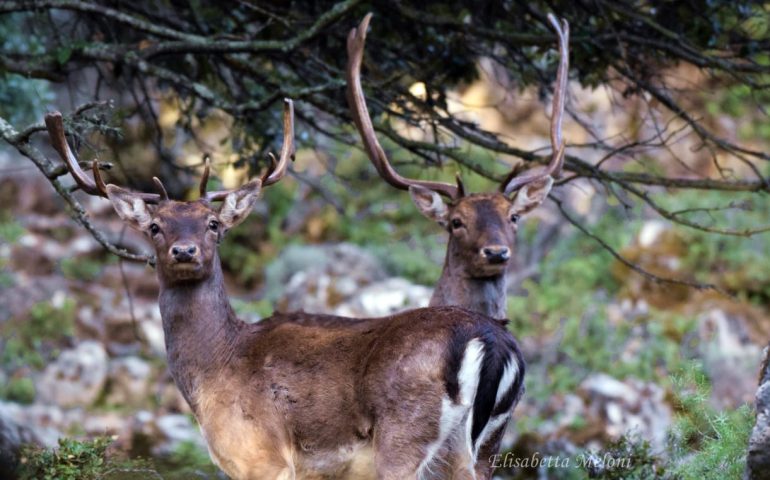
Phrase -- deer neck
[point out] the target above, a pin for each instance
(457, 287)
(200, 329)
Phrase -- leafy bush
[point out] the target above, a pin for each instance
(81, 269)
(73, 460)
(21, 390)
(712, 444)
(24, 338)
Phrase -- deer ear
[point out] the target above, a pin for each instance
(237, 205)
(429, 203)
(130, 207)
(531, 196)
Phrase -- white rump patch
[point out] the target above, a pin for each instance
(470, 371)
(510, 372)
(492, 425)
(456, 418)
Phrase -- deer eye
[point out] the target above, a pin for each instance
(214, 226)
(154, 229)
(515, 218)
(457, 223)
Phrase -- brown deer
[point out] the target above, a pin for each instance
(311, 396)
(482, 226)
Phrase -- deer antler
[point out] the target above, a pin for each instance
(360, 113)
(277, 169)
(97, 187)
(513, 182)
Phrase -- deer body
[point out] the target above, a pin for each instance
(300, 395)
(481, 226)
(312, 396)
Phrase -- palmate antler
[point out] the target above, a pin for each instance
(97, 187)
(363, 121)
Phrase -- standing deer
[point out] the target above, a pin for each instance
(481, 226)
(311, 396)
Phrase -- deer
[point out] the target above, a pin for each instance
(481, 226)
(309, 396)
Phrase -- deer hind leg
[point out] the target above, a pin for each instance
(490, 445)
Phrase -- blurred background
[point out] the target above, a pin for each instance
(639, 291)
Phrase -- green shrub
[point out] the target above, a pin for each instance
(21, 390)
(73, 460)
(712, 444)
(24, 338)
(81, 269)
(82, 460)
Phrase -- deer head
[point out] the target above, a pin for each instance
(185, 235)
(482, 226)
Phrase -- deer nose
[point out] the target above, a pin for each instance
(184, 253)
(496, 254)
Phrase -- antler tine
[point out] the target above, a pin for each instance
(205, 176)
(161, 188)
(278, 170)
(96, 187)
(557, 114)
(460, 185)
(559, 97)
(363, 121)
(55, 126)
(98, 179)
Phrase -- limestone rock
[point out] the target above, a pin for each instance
(76, 378)
(129, 381)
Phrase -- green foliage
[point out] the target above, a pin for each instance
(82, 460)
(20, 390)
(21, 98)
(81, 269)
(24, 338)
(10, 231)
(571, 273)
(712, 444)
(411, 260)
(629, 458)
(735, 262)
(259, 309)
(187, 461)
(73, 460)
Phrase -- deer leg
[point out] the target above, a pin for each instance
(490, 446)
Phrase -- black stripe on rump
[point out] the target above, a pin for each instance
(500, 348)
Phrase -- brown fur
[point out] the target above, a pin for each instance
(468, 279)
(296, 395)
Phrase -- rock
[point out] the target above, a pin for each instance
(163, 435)
(151, 335)
(129, 381)
(621, 407)
(12, 436)
(758, 458)
(342, 280)
(729, 357)
(106, 424)
(385, 298)
(121, 332)
(76, 378)
(318, 278)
